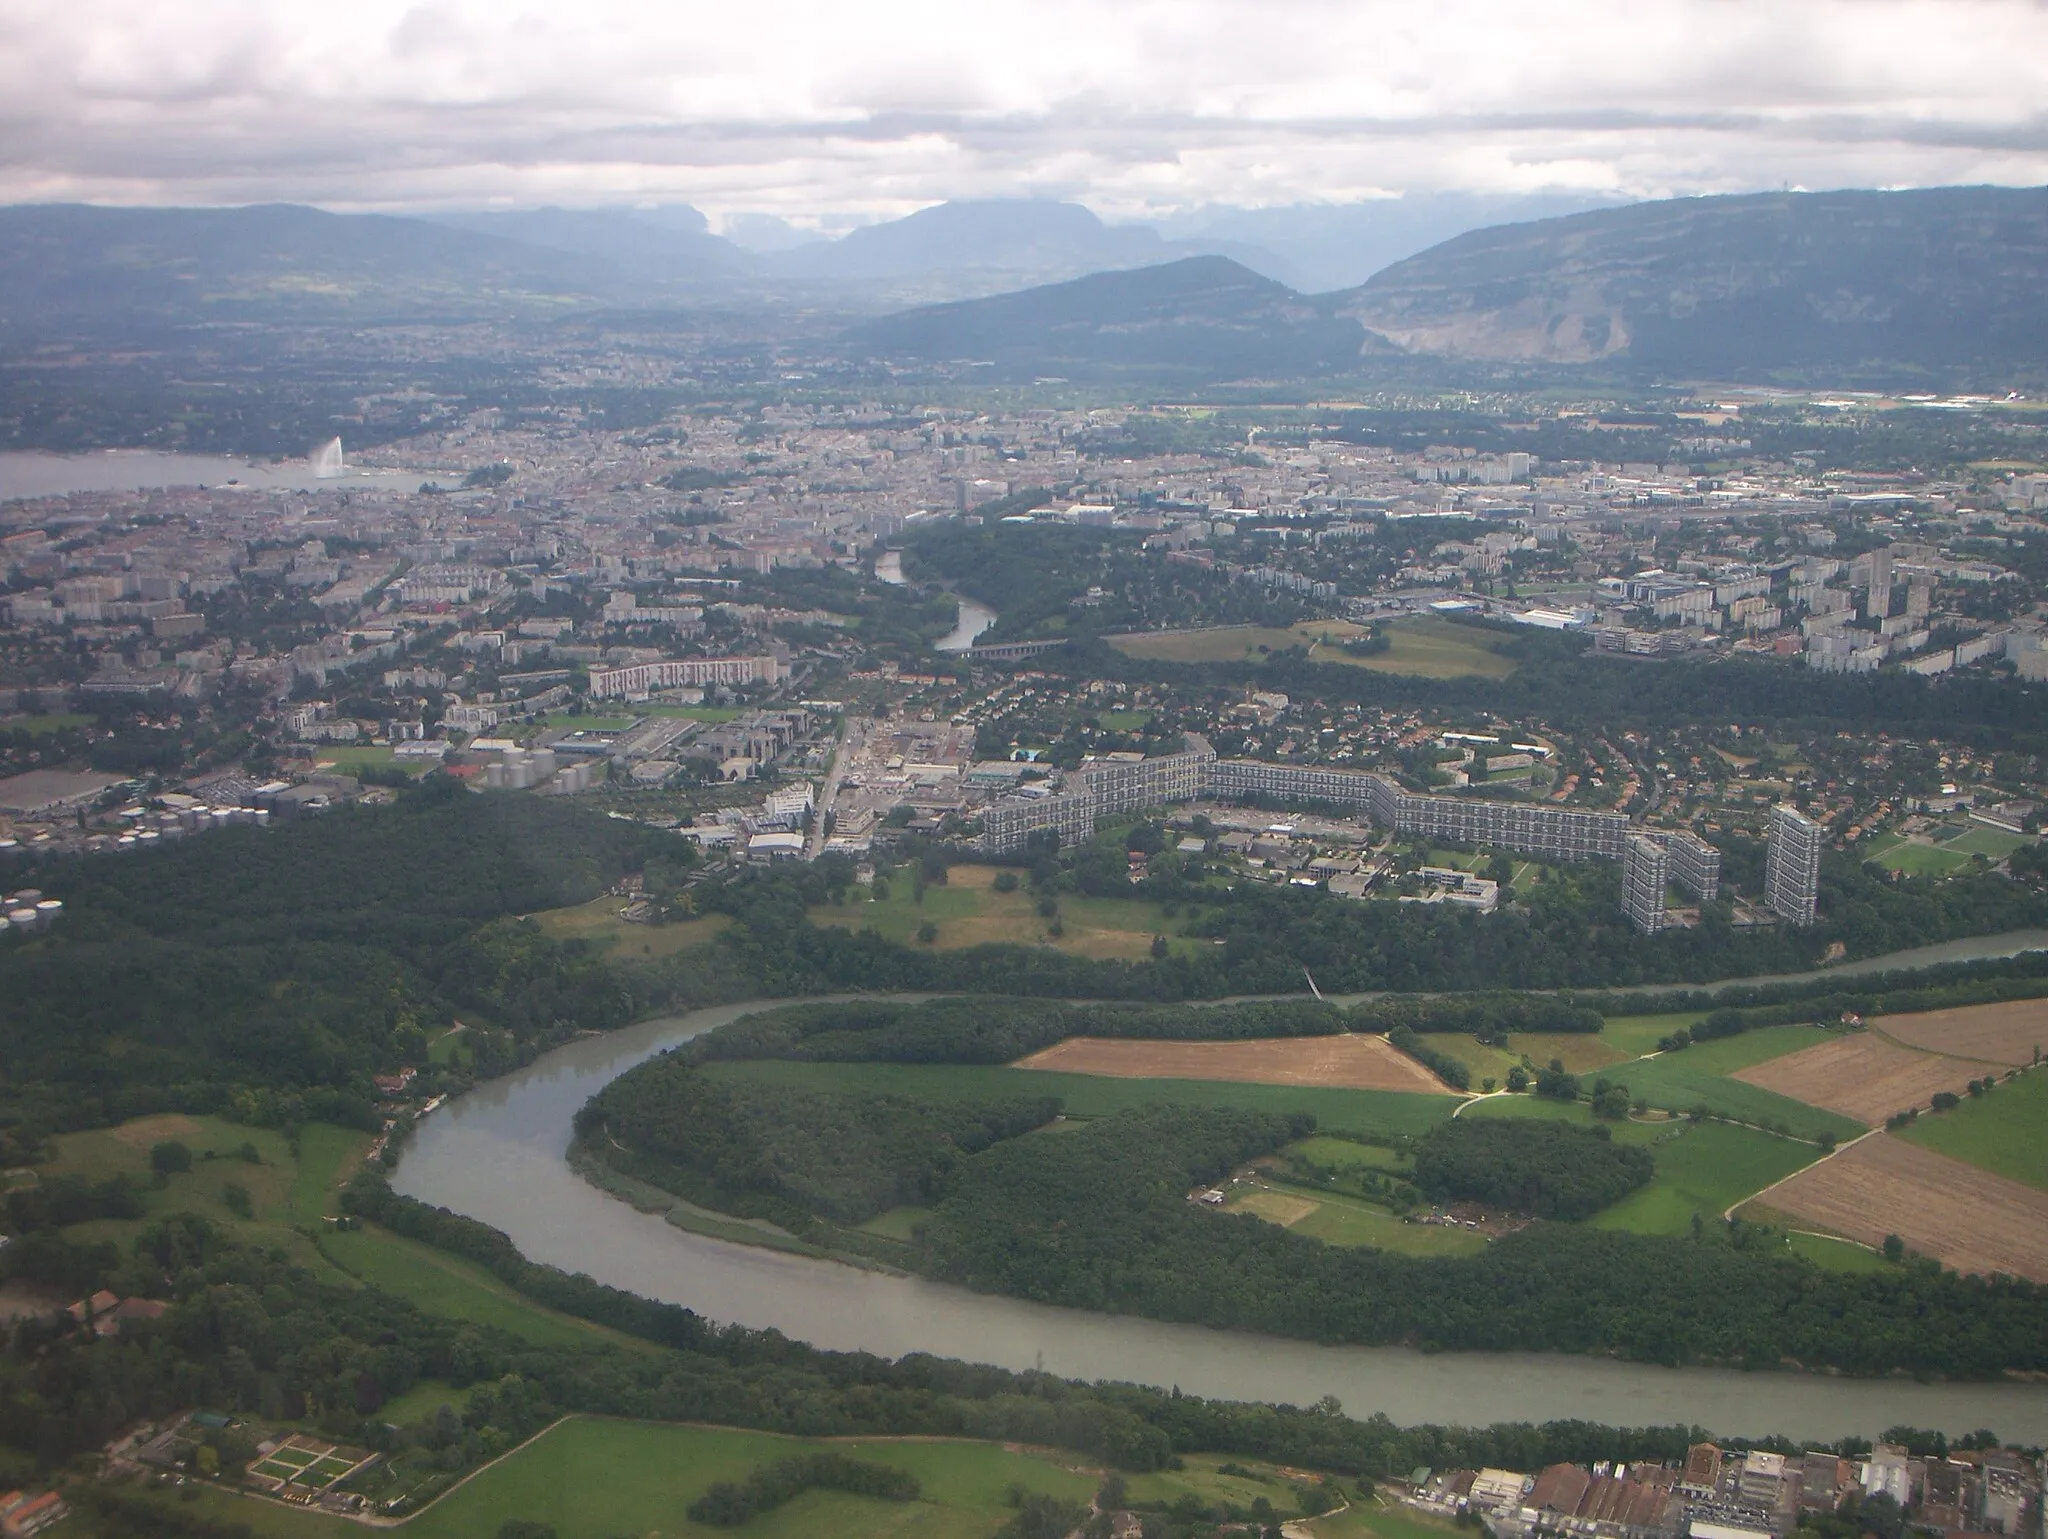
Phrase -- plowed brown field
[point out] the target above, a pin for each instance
(1964, 1217)
(2004, 1033)
(1862, 1076)
(1347, 1063)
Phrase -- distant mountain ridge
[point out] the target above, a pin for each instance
(1940, 278)
(1948, 279)
(1205, 315)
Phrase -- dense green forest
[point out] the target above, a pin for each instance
(272, 972)
(1545, 1169)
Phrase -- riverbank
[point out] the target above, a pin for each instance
(498, 1155)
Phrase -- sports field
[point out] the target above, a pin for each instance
(968, 911)
(1861, 1075)
(1703, 1171)
(2014, 1032)
(1913, 859)
(2004, 1131)
(1382, 1113)
(1963, 1217)
(1348, 1062)
(1422, 648)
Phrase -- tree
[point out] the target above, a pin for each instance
(927, 932)
(1158, 947)
(1894, 1248)
(169, 1157)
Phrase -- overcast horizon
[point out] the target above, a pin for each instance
(835, 117)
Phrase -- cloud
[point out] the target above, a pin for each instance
(836, 112)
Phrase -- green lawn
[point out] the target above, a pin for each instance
(1578, 1113)
(1340, 1153)
(596, 1479)
(47, 724)
(1381, 1112)
(328, 1155)
(1634, 1035)
(693, 712)
(446, 1285)
(1583, 1053)
(1698, 1077)
(2005, 1132)
(589, 723)
(1835, 1255)
(1704, 1171)
(1427, 648)
(422, 1401)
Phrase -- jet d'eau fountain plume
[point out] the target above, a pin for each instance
(327, 461)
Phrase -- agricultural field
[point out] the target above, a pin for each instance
(1378, 1113)
(1861, 1075)
(2013, 1033)
(598, 921)
(2004, 1132)
(1703, 1171)
(1421, 648)
(1703, 1075)
(1963, 1217)
(968, 911)
(1347, 1062)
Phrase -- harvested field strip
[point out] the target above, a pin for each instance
(1862, 1076)
(1351, 1062)
(1965, 1218)
(2011, 1033)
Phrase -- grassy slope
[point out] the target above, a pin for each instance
(1383, 1112)
(598, 921)
(2006, 1132)
(285, 1194)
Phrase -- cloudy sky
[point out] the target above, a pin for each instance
(842, 111)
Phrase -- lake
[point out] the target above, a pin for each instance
(31, 473)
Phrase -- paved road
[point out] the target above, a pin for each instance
(815, 845)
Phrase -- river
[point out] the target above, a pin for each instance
(496, 1154)
(32, 473)
(974, 618)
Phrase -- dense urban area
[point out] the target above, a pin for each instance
(1479, 872)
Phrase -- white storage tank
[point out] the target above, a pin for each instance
(48, 912)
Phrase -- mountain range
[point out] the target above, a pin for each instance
(1941, 279)
(1946, 279)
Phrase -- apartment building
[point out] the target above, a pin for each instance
(1792, 865)
(1645, 874)
(645, 678)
